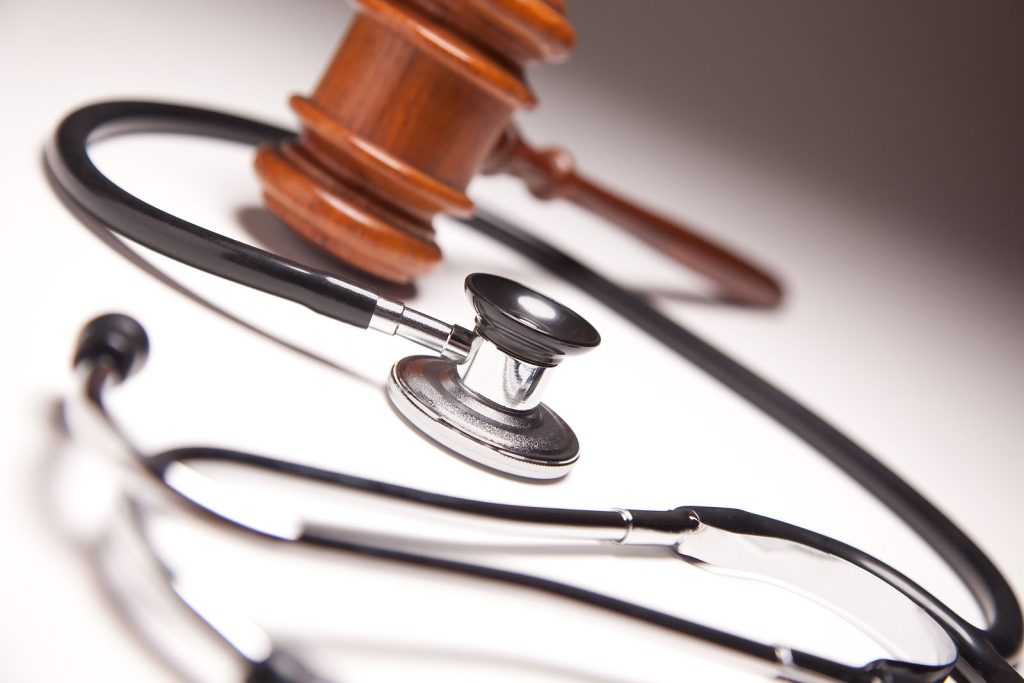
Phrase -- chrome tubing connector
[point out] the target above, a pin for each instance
(395, 318)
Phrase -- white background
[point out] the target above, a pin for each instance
(870, 156)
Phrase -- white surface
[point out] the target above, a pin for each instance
(910, 350)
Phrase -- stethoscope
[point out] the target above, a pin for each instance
(481, 397)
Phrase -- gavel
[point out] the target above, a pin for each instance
(418, 98)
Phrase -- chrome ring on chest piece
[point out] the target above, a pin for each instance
(488, 407)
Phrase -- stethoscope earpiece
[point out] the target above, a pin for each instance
(113, 338)
(487, 408)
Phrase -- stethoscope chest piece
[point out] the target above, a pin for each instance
(534, 443)
(488, 407)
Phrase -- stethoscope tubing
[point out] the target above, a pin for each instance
(985, 582)
(795, 663)
(970, 640)
(68, 160)
(69, 163)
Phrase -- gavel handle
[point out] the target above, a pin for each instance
(551, 173)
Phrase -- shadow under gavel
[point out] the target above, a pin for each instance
(419, 98)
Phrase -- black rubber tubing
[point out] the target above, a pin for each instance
(70, 165)
(68, 161)
(972, 566)
(876, 671)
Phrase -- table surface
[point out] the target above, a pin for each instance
(872, 162)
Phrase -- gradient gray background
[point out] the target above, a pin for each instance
(912, 108)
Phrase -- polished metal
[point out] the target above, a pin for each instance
(386, 315)
(395, 318)
(533, 443)
(484, 402)
(495, 375)
(875, 607)
(638, 533)
(158, 601)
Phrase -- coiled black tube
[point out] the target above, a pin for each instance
(69, 163)
(972, 566)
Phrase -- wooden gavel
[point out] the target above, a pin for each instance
(419, 98)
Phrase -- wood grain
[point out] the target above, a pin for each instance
(418, 99)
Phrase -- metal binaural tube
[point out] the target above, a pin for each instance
(395, 318)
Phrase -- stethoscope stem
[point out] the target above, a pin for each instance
(396, 319)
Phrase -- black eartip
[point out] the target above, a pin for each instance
(114, 336)
(526, 324)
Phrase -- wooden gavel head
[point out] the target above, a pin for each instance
(407, 112)
(417, 100)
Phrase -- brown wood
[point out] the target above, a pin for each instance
(550, 173)
(407, 111)
(419, 98)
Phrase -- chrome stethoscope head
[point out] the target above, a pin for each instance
(481, 399)
(488, 406)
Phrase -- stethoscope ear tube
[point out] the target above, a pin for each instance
(167, 483)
